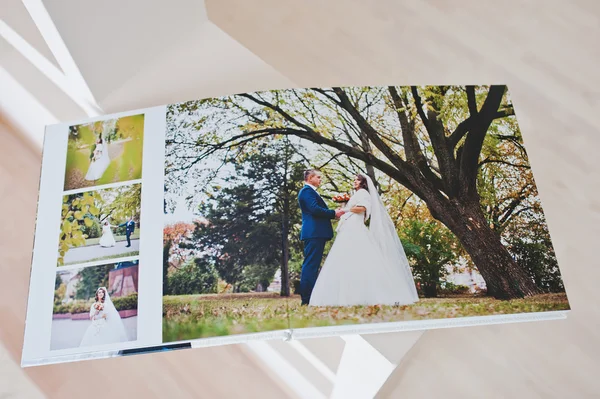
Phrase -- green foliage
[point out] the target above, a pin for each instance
(91, 279)
(82, 134)
(253, 275)
(60, 308)
(448, 288)
(539, 261)
(93, 231)
(77, 210)
(296, 260)
(82, 306)
(430, 247)
(126, 302)
(236, 235)
(165, 275)
(125, 201)
(245, 233)
(59, 293)
(197, 276)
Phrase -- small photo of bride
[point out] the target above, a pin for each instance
(95, 306)
(100, 224)
(103, 152)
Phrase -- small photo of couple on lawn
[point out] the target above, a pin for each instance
(101, 224)
(104, 152)
(350, 205)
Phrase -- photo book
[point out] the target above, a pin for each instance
(286, 214)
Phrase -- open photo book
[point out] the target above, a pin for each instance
(286, 214)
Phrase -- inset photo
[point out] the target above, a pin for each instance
(95, 305)
(99, 225)
(105, 152)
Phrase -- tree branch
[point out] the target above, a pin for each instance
(419, 106)
(474, 141)
(487, 160)
(324, 93)
(510, 208)
(471, 100)
(463, 128)
(443, 152)
(411, 144)
(348, 150)
(278, 109)
(503, 113)
(372, 134)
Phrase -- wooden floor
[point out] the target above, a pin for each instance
(546, 51)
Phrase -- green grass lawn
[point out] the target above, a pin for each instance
(123, 255)
(95, 241)
(426, 308)
(199, 316)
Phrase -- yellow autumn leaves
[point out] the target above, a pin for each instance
(75, 213)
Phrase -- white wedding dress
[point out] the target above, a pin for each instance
(104, 330)
(99, 166)
(366, 265)
(107, 239)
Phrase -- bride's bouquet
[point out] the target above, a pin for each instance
(341, 199)
(96, 154)
(99, 306)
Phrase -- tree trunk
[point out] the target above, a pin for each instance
(285, 257)
(431, 286)
(504, 278)
(166, 253)
(430, 290)
(285, 244)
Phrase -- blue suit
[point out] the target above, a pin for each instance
(129, 229)
(316, 231)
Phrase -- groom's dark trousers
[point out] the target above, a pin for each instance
(316, 231)
(313, 254)
(129, 229)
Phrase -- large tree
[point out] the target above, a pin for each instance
(238, 233)
(91, 279)
(427, 139)
(275, 172)
(248, 221)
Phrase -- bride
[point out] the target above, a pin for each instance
(107, 326)
(107, 239)
(366, 265)
(100, 161)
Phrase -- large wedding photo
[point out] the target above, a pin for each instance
(336, 206)
(104, 152)
(96, 305)
(99, 225)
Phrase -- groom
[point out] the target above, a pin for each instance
(129, 229)
(316, 230)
